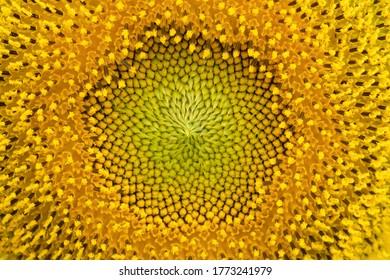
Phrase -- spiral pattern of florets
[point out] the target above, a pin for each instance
(187, 131)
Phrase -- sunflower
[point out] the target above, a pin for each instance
(194, 129)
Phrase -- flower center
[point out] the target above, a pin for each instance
(188, 131)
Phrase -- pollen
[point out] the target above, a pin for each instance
(205, 130)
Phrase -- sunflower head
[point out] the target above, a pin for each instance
(194, 130)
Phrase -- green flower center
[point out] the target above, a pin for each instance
(188, 134)
(184, 127)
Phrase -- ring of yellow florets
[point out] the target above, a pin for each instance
(187, 130)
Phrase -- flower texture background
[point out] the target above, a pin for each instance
(194, 129)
